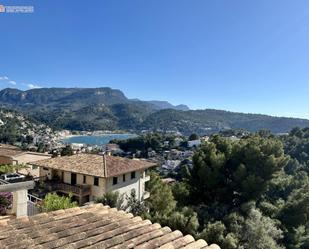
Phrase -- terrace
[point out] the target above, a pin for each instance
(79, 190)
(44, 186)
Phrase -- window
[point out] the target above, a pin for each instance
(115, 180)
(84, 179)
(45, 168)
(96, 181)
(133, 175)
(124, 177)
(73, 179)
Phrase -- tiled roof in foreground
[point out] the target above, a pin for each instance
(94, 226)
(96, 165)
(9, 150)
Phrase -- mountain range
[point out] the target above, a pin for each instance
(109, 109)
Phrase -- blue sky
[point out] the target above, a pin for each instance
(238, 55)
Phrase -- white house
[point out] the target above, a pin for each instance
(171, 164)
(88, 176)
(194, 143)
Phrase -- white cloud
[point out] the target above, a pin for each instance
(12, 82)
(4, 78)
(32, 86)
(7, 80)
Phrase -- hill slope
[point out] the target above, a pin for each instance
(210, 121)
(16, 127)
(109, 109)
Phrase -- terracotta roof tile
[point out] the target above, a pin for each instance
(182, 241)
(14, 151)
(96, 165)
(94, 226)
(10, 152)
(8, 146)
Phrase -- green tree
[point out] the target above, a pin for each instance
(260, 232)
(298, 238)
(184, 220)
(41, 147)
(235, 172)
(296, 209)
(181, 193)
(162, 201)
(193, 136)
(136, 206)
(112, 199)
(252, 231)
(67, 151)
(53, 202)
(9, 168)
(217, 233)
(298, 132)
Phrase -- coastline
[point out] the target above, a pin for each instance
(99, 139)
(98, 135)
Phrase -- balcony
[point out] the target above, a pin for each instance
(147, 178)
(146, 195)
(79, 190)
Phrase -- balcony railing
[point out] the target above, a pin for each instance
(80, 190)
(146, 195)
(147, 178)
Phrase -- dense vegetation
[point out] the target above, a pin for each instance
(297, 146)
(252, 193)
(15, 127)
(9, 168)
(53, 202)
(109, 109)
(211, 121)
(141, 145)
(6, 199)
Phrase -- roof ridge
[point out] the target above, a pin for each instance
(88, 226)
(102, 165)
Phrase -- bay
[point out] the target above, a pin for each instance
(96, 139)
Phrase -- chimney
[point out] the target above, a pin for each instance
(104, 164)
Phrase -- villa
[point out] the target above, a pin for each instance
(13, 155)
(88, 176)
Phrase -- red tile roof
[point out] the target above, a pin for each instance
(96, 165)
(94, 226)
(9, 150)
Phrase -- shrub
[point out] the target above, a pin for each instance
(53, 202)
(112, 199)
(5, 201)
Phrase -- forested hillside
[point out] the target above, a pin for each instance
(249, 194)
(109, 109)
(210, 121)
